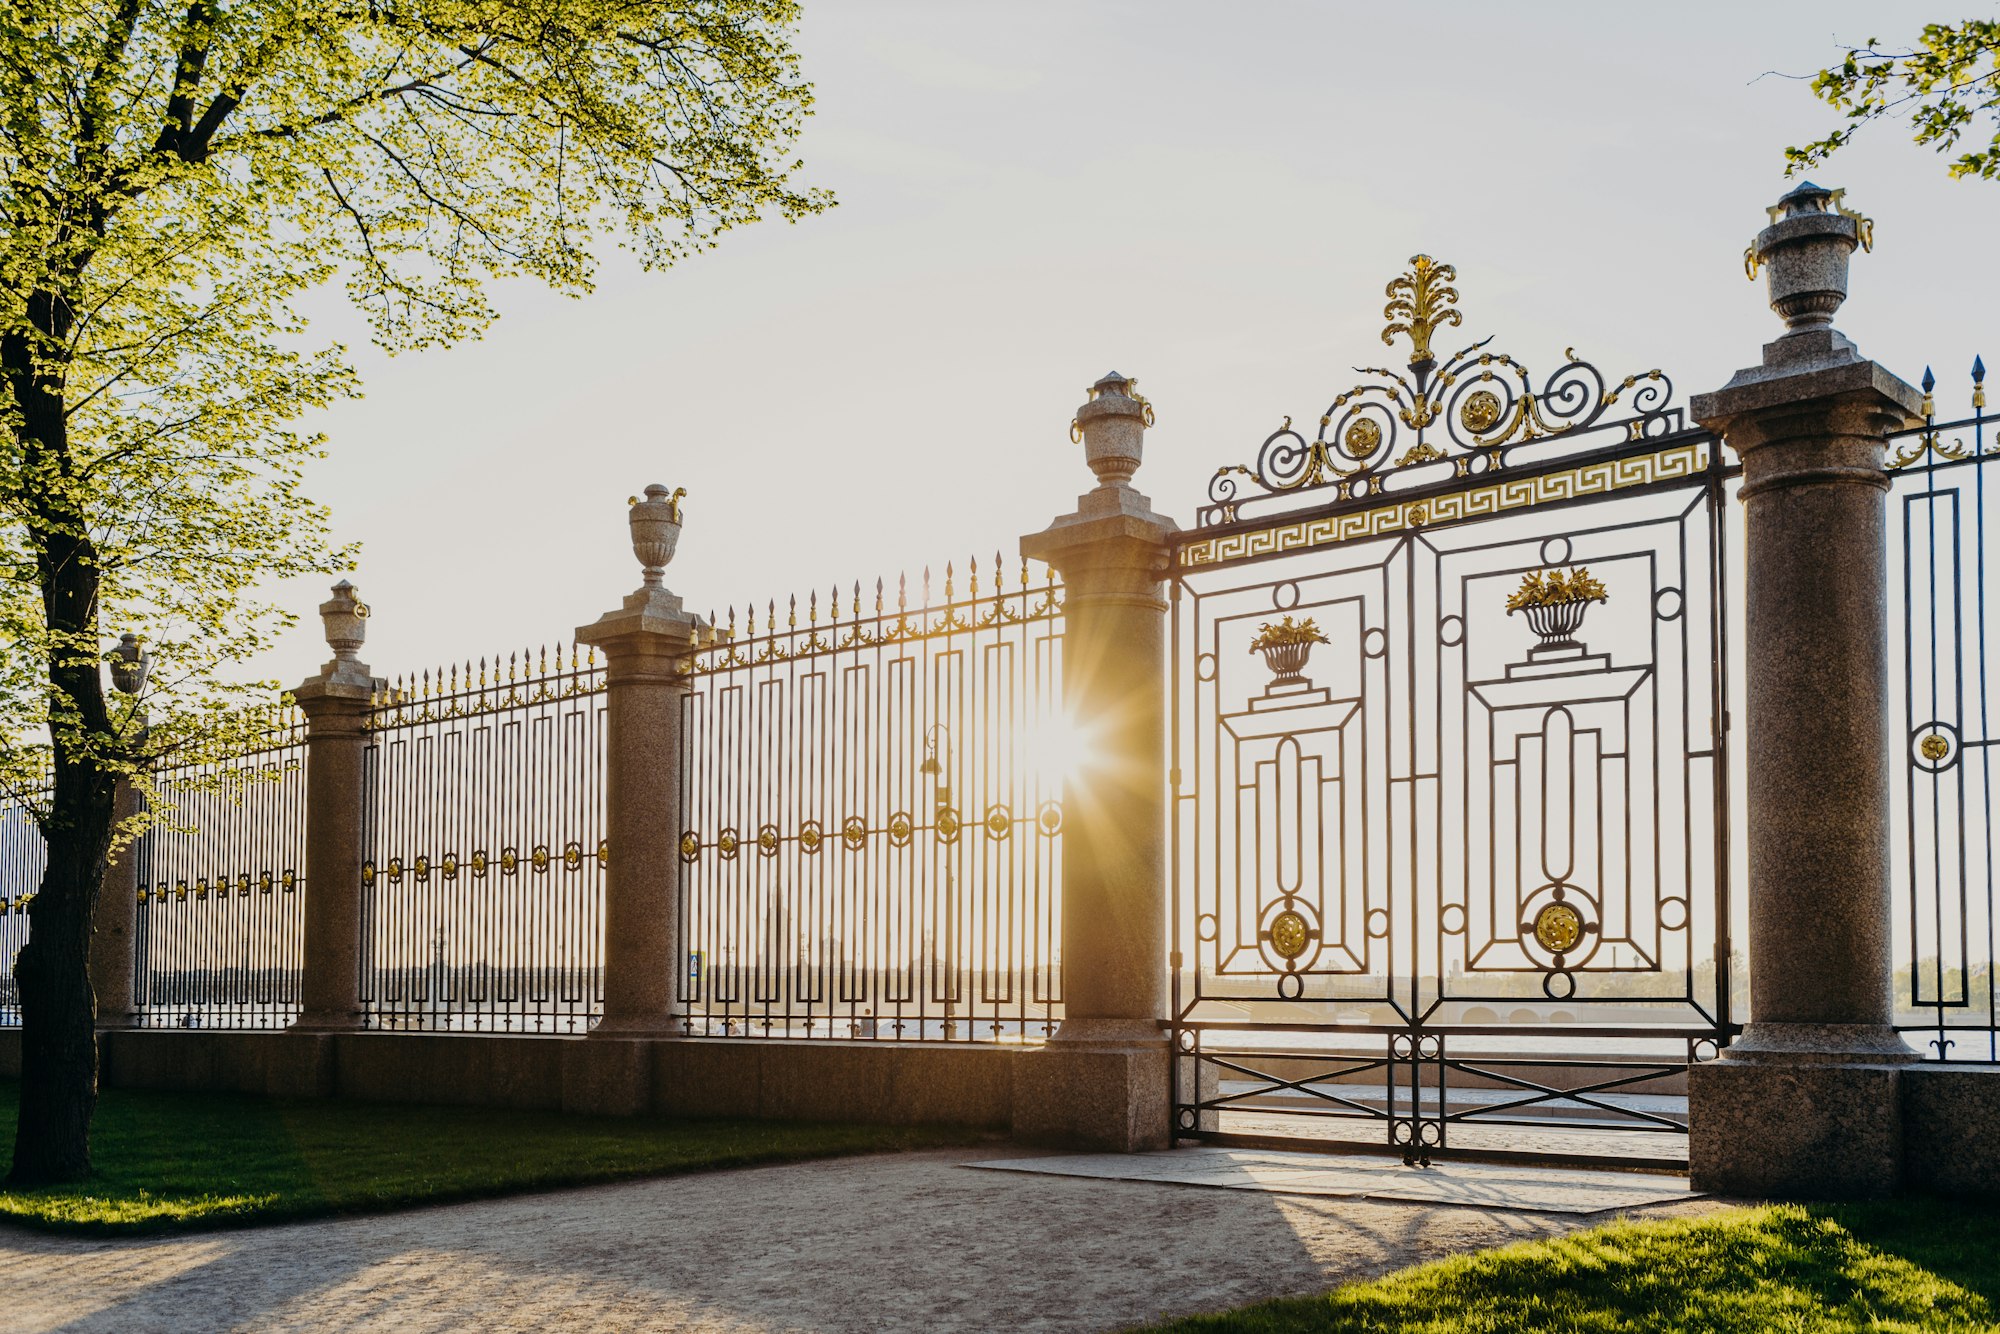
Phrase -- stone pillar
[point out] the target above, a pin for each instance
(114, 926)
(646, 643)
(1103, 1079)
(336, 704)
(1806, 1102)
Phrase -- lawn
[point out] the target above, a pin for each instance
(1902, 1266)
(168, 1161)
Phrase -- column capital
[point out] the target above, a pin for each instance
(649, 635)
(1812, 388)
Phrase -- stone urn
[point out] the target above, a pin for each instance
(130, 665)
(345, 617)
(1805, 254)
(656, 530)
(1112, 426)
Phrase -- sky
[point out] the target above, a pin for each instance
(1207, 197)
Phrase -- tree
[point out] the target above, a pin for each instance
(1950, 80)
(172, 176)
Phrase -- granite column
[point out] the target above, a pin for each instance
(1806, 1102)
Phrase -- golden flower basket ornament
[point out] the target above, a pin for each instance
(1286, 646)
(1554, 602)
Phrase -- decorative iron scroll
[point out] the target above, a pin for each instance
(1470, 414)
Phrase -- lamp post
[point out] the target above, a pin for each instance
(114, 938)
(937, 766)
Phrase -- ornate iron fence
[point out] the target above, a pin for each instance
(483, 888)
(23, 855)
(1943, 579)
(872, 823)
(221, 885)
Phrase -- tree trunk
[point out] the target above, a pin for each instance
(58, 1007)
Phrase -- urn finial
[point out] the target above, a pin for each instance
(130, 664)
(1111, 426)
(1805, 252)
(346, 619)
(656, 530)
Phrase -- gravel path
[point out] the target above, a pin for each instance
(887, 1243)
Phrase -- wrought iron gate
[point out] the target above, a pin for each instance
(1450, 779)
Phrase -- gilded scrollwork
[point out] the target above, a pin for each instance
(1473, 408)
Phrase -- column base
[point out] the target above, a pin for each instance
(325, 1022)
(1800, 1111)
(1090, 1093)
(658, 1028)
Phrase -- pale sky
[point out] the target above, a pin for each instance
(1207, 197)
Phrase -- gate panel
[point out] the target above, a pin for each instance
(1450, 777)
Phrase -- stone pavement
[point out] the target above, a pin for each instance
(1370, 1177)
(885, 1243)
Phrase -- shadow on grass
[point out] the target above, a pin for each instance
(174, 1161)
(1904, 1266)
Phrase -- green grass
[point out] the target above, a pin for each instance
(170, 1161)
(1902, 1266)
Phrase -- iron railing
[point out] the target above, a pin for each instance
(1944, 652)
(23, 855)
(872, 815)
(221, 885)
(483, 889)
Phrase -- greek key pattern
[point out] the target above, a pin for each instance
(1590, 479)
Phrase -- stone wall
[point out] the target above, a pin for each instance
(874, 1083)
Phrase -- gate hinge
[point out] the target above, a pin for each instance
(1174, 778)
(1174, 959)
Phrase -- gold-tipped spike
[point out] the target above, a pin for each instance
(543, 670)
(971, 579)
(792, 613)
(513, 665)
(902, 592)
(482, 673)
(771, 616)
(812, 607)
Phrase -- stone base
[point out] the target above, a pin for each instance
(1951, 1129)
(607, 1076)
(1112, 1097)
(1798, 1129)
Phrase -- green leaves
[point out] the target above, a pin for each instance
(174, 177)
(1942, 86)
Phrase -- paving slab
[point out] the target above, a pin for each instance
(1560, 1190)
(888, 1244)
